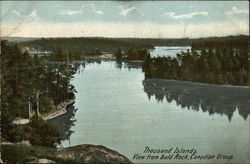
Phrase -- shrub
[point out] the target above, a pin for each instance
(39, 132)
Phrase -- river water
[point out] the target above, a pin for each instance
(168, 51)
(117, 108)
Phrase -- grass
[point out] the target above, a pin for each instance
(22, 154)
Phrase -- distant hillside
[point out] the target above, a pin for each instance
(18, 39)
(184, 41)
(85, 44)
(112, 44)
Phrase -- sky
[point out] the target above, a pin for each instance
(138, 19)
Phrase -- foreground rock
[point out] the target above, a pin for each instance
(43, 160)
(23, 152)
(91, 154)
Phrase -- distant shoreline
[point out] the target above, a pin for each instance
(198, 83)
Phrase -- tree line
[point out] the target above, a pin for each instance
(84, 45)
(183, 41)
(212, 62)
(132, 54)
(240, 44)
(30, 86)
(60, 54)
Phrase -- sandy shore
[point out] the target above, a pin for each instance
(60, 109)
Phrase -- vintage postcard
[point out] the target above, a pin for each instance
(125, 82)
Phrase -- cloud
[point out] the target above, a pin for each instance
(30, 17)
(70, 12)
(125, 12)
(33, 14)
(235, 10)
(99, 12)
(16, 12)
(122, 29)
(92, 8)
(185, 16)
(192, 6)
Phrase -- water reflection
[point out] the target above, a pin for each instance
(78, 66)
(93, 61)
(224, 100)
(64, 122)
(128, 64)
(75, 66)
(118, 64)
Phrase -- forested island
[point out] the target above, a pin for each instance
(213, 62)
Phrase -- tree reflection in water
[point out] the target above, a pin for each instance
(64, 122)
(67, 120)
(224, 100)
(119, 64)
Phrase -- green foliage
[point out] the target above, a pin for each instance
(22, 153)
(47, 104)
(19, 153)
(118, 54)
(13, 134)
(218, 63)
(30, 85)
(18, 134)
(222, 43)
(39, 132)
(110, 44)
(140, 54)
(86, 45)
(60, 54)
(94, 52)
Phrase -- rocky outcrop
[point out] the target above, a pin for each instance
(91, 154)
(82, 154)
(43, 160)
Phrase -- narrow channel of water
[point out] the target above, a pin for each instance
(117, 108)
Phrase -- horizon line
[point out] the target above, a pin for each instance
(69, 37)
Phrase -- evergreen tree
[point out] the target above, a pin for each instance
(118, 54)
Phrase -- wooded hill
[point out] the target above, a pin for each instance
(85, 45)
(218, 62)
(184, 41)
(88, 44)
